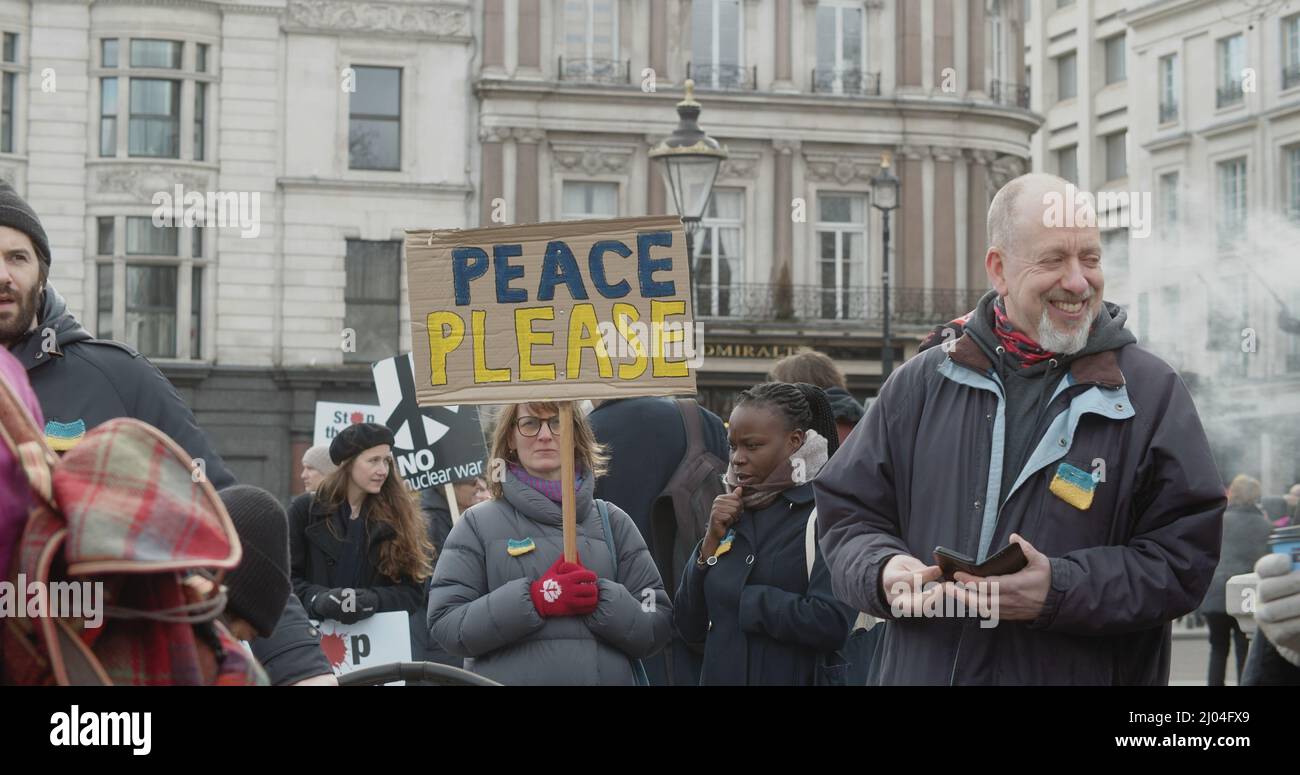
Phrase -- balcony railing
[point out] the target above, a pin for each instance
(609, 71)
(845, 80)
(811, 303)
(1168, 112)
(1008, 93)
(1229, 94)
(1290, 76)
(726, 77)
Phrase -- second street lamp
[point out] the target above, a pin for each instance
(884, 197)
(691, 159)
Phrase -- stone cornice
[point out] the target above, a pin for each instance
(439, 21)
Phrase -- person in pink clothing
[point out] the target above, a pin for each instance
(14, 497)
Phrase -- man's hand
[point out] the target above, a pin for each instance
(1021, 594)
(904, 579)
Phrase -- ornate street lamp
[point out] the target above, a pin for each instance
(691, 159)
(884, 197)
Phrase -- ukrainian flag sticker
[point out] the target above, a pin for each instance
(63, 436)
(1074, 486)
(516, 547)
(725, 546)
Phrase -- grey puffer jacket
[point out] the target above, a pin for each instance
(480, 608)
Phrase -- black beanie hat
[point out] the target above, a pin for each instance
(17, 214)
(258, 589)
(357, 438)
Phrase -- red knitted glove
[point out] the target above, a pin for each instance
(567, 589)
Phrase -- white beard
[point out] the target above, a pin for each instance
(1053, 340)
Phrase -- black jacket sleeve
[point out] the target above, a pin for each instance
(299, 515)
(438, 514)
(690, 611)
(292, 652)
(157, 403)
(406, 595)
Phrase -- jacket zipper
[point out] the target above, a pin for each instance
(956, 657)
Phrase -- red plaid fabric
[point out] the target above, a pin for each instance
(128, 497)
(123, 509)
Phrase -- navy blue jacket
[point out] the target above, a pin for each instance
(761, 618)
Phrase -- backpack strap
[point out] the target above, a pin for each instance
(690, 412)
(638, 667)
(864, 621)
(603, 508)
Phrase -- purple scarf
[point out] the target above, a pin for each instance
(548, 487)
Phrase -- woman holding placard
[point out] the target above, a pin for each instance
(358, 545)
(503, 595)
(757, 593)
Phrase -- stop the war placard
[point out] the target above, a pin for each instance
(380, 640)
(561, 311)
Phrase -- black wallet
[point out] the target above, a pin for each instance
(1009, 560)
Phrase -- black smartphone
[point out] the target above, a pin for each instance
(1008, 560)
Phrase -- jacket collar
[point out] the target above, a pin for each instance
(1096, 369)
(31, 350)
(799, 495)
(318, 531)
(539, 508)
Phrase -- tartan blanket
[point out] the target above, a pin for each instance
(126, 510)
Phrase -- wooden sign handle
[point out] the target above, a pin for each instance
(568, 505)
(452, 505)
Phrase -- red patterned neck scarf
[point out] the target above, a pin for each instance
(1018, 345)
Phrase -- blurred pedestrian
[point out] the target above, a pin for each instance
(316, 465)
(815, 368)
(1245, 540)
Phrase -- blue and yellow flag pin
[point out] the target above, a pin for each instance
(1074, 486)
(514, 547)
(725, 546)
(63, 436)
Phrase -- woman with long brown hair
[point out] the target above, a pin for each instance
(502, 594)
(358, 545)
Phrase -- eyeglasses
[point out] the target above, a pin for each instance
(531, 426)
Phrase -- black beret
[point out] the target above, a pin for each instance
(357, 438)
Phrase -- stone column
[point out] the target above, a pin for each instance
(783, 193)
(492, 171)
(526, 174)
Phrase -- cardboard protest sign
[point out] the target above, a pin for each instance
(557, 311)
(434, 445)
(332, 417)
(380, 640)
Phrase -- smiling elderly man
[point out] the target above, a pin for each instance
(1036, 420)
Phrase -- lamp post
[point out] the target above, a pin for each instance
(884, 197)
(691, 159)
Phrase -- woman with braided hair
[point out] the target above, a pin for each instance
(748, 596)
